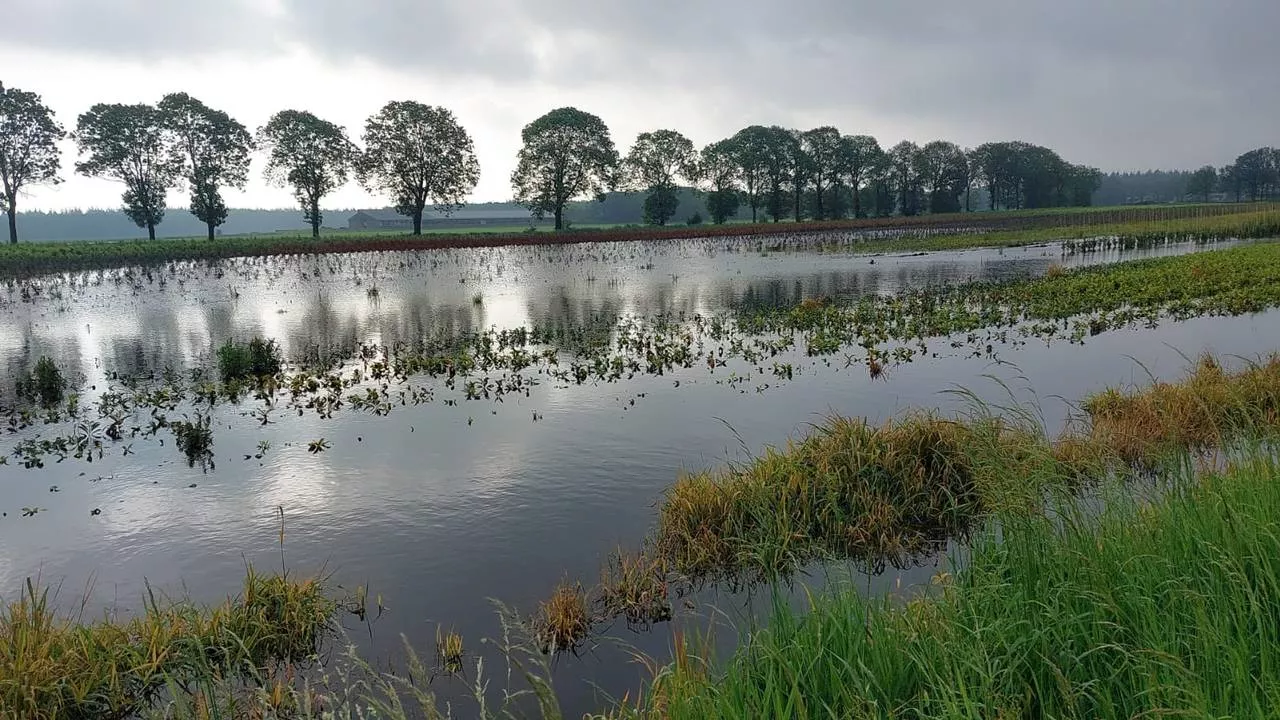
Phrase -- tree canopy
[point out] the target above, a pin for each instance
(722, 170)
(656, 161)
(418, 154)
(310, 155)
(214, 151)
(566, 154)
(29, 155)
(129, 143)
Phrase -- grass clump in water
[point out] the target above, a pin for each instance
(851, 489)
(45, 383)
(634, 586)
(1149, 609)
(1201, 412)
(564, 621)
(257, 358)
(55, 667)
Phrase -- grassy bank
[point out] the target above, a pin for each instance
(54, 666)
(30, 258)
(1152, 610)
(889, 493)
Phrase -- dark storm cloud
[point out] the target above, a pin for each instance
(1113, 82)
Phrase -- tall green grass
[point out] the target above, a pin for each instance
(1164, 609)
(54, 666)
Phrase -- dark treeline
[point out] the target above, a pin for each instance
(418, 156)
(1254, 176)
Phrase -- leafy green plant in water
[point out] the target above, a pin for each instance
(195, 440)
(257, 358)
(44, 384)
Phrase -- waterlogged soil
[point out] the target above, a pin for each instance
(444, 502)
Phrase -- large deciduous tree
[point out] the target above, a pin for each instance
(822, 149)
(129, 143)
(29, 155)
(1258, 172)
(944, 172)
(904, 162)
(418, 154)
(214, 151)
(859, 156)
(567, 153)
(310, 155)
(752, 152)
(781, 149)
(721, 169)
(654, 164)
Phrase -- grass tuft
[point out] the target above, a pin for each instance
(564, 621)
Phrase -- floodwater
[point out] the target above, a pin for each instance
(438, 508)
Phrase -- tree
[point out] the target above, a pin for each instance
(904, 163)
(416, 154)
(567, 153)
(1258, 172)
(801, 166)
(129, 143)
(943, 170)
(1082, 182)
(213, 149)
(310, 155)
(656, 160)
(753, 153)
(780, 153)
(1202, 182)
(1229, 181)
(858, 156)
(721, 169)
(28, 149)
(822, 147)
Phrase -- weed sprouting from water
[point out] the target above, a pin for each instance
(255, 359)
(44, 384)
(195, 439)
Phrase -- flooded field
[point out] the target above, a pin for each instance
(443, 492)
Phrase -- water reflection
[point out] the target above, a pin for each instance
(439, 508)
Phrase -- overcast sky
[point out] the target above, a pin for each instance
(1119, 84)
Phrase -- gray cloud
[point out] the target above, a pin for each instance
(1118, 84)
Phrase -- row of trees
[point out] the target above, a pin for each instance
(781, 173)
(1254, 175)
(417, 154)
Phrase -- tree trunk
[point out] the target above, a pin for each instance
(799, 193)
(315, 219)
(211, 231)
(857, 202)
(417, 221)
(559, 217)
(818, 191)
(13, 223)
(753, 212)
(151, 230)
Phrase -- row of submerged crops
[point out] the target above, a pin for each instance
(752, 350)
